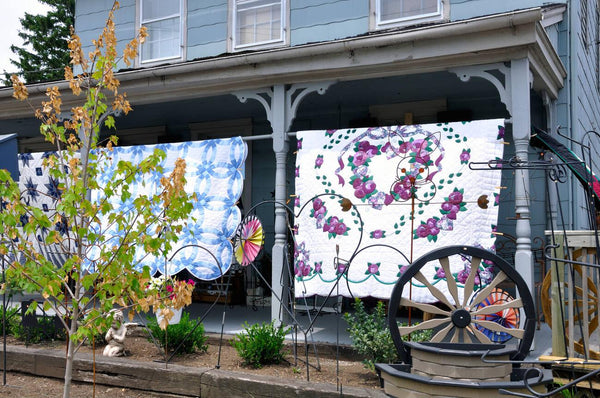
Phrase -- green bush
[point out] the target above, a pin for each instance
(260, 345)
(178, 334)
(45, 330)
(13, 319)
(370, 334)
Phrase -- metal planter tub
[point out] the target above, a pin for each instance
(457, 370)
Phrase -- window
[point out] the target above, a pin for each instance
(258, 23)
(391, 13)
(163, 20)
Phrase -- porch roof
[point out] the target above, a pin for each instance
(484, 40)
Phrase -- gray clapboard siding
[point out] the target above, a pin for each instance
(90, 19)
(314, 20)
(465, 9)
(206, 28)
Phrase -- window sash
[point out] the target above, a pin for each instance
(258, 22)
(396, 11)
(164, 23)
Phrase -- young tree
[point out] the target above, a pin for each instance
(45, 51)
(99, 271)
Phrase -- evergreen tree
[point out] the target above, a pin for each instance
(45, 51)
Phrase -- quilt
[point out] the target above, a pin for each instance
(215, 173)
(371, 200)
(41, 190)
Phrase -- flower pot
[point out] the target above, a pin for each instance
(174, 320)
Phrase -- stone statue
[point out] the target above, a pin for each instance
(115, 337)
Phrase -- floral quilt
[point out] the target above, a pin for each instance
(371, 200)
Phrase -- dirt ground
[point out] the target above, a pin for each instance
(351, 370)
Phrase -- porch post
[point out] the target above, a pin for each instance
(514, 90)
(280, 105)
(280, 148)
(520, 85)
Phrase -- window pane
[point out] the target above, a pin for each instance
(397, 9)
(258, 21)
(154, 9)
(163, 40)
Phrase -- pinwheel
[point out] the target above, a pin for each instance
(249, 240)
(507, 317)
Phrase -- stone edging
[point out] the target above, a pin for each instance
(173, 379)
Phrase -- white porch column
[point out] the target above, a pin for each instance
(514, 84)
(280, 148)
(520, 85)
(281, 104)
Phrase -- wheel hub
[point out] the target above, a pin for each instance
(461, 318)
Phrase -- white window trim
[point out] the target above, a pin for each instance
(182, 35)
(375, 23)
(233, 46)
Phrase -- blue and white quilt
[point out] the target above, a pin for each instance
(215, 173)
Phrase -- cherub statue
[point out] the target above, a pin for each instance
(115, 337)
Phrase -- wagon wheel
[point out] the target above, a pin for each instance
(467, 319)
(546, 302)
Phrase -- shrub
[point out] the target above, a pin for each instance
(46, 329)
(13, 319)
(370, 334)
(179, 333)
(260, 345)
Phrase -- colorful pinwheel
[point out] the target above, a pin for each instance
(507, 317)
(249, 240)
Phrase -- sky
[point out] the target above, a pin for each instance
(9, 20)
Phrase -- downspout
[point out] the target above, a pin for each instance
(571, 112)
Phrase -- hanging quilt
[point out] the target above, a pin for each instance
(411, 189)
(40, 190)
(215, 173)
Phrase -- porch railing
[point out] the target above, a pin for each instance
(573, 294)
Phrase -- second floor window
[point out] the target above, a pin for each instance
(258, 22)
(398, 12)
(163, 20)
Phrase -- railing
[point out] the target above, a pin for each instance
(572, 294)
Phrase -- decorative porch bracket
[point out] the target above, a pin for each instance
(514, 93)
(281, 105)
(484, 71)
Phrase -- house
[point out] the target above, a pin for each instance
(266, 68)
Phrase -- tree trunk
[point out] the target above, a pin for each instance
(71, 345)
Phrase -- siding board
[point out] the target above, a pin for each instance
(314, 21)
(206, 28)
(465, 9)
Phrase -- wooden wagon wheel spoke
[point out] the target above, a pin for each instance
(482, 338)
(441, 335)
(484, 315)
(431, 309)
(425, 325)
(452, 288)
(483, 293)
(470, 283)
(433, 290)
(496, 327)
(492, 309)
(458, 333)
